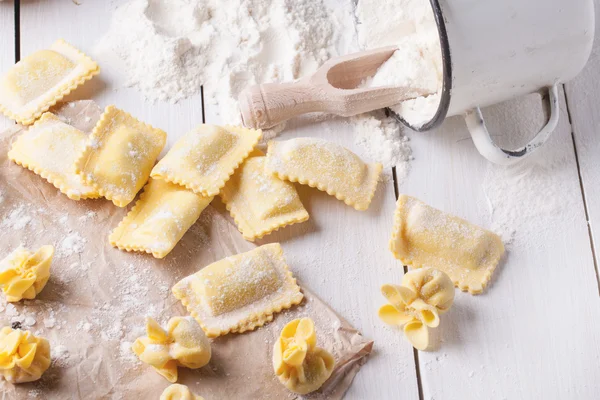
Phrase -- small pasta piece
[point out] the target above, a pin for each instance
(425, 236)
(206, 157)
(40, 80)
(49, 148)
(182, 344)
(179, 392)
(299, 364)
(259, 202)
(119, 155)
(24, 274)
(161, 216)
(23, 356)
(241, 292)
(326, 166)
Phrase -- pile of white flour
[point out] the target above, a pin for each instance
(172, 48)
(410, 25)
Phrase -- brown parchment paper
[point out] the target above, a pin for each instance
(94, 305)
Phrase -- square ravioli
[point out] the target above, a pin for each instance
(259, 202)
(161, 216)
(206, 157)
(239, 293)
(49, 148)
(326, 166)
(426, 237)
(119, 155)
(38, 81)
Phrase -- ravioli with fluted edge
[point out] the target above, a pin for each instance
(119, 155)
(425, 236)
(23, 274)
(23, 356)
(41, 79)
(326, 166)
(179, 392)
(299, 364)
(161, 216)
(239, 293)
(417, 303)
(259, 202)
(205, 158)
(50, 148)
(182, 344)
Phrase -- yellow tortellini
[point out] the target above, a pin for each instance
(298, 363)
(182, 344)
(24, 274)
(417, 303)
(179, 392)
(23, 356)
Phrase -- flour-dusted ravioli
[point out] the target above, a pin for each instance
(159, 219)
(206, 157)
(425, 236)
(259, 202)
(326, 166)
(50, 148)
(241, 292)
(119, 155)
(39, 80)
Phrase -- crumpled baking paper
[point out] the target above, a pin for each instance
(94, 305)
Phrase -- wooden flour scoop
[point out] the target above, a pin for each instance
(331, 89)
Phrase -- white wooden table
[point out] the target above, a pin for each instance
(534, 334)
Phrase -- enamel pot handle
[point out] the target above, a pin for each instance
(486, 146)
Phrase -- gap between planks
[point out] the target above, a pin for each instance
(583, 194)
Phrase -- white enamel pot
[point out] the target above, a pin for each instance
(495, 50)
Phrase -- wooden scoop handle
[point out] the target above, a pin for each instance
(331, 89)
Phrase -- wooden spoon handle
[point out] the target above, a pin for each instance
(264, 106)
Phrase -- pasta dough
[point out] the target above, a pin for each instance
(119, 155)
(41, 79)
(183, 344)
(298, 363)
(424, 236)
(179, 392)
(50, 148)
(205, 158)
(24, 274)
(241, 292)
(259, 202)
(326, 166)
(23, 356)
(417, 303)
(161, 216)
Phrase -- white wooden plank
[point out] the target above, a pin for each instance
(584, 107)
(7, 45)
(534, 333)
(83, 25)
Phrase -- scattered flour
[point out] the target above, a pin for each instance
(416, 63)
(73, 243)
(17, 219)
(381, 140)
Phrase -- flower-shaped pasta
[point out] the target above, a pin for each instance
(182, 344)
(179, 392)
(23, 274)
(23, 356)
(417, 303)
(298, 363)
